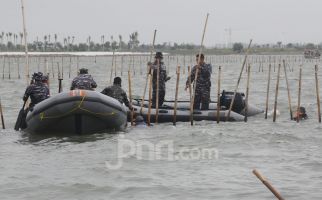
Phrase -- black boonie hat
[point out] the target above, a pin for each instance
(37, 76)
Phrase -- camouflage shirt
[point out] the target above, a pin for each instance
(37, 92)
(84, 82)
(204, 75)
(162, 76)
(115, 91)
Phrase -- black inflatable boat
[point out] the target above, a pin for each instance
(166, 112)
(77, 112)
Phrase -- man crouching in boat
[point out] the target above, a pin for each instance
(202, 93)
(83, 81)
(115, 91)
(37, 90)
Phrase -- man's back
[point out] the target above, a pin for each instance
(37, 91)
(116, 92)
(84, 82)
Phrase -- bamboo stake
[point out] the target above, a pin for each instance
(112, 68)
(267, 92)
(267, 184)
(317, 93)
(4, 65)
(247, 93)
(288, 91)
(189, 77)
(176, 97)
(18, 66)
(299, 97)
(122, 66)
(52, 66)
(148, 71)
(276, 91)
(62, 67)
(70, 66)
(26, 44)
(116, 68)
(157, 94)
(2, 118)
(77, 66)
(239, 78)
(150, 98)
(197, 71)
(218, 95)
(9, 66)
(130, 96)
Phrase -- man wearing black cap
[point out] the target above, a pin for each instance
(37, 90)
(162, 78)
(83, 81)
(115, 91)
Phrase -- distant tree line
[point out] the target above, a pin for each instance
(50, 43)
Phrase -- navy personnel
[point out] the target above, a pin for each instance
(83, 81)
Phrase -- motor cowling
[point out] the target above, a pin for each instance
(239, 102)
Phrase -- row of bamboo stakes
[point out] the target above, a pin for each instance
(118, 62)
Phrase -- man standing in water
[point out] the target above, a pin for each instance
(203, 83)
(83, 81)
(158, 64)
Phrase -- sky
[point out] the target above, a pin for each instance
(180, 21)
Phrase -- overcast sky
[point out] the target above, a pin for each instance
(179, 21)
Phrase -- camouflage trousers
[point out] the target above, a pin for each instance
(161, 97)
(202, 98)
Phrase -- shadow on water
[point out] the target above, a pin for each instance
(45, 138)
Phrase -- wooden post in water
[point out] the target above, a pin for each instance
(218, 95)
(299, 97)
(148, 71)
(176, 97)
(157, 92)
(267, 184)
(267, 91)
(317, 92)
(276, 91)
(130, 96)
(18, 67)
(240, 75)
(9, 70)
(150, 97)
(112, 68)
(2, 118)
(70, 67)
(247, 92)
(288, 91)
(197, 71)
(25, 41)
(4, 65)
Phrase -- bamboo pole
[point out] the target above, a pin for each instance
(276, 91)
(130, 96)
(267, 184)
(2, 118)
(25, 41)
(189, 78)
(18, 66)
(150, 98)
(267, 91)
(317, 93)
(112, 68)
(176, 97)
(70, 67)
(247, 93)
(218, 95)
(157, 92)
(288, 91)
(239, 78)
(148, 71)
(4, 65)
(197, 71)
(299, 97)
(9, 70)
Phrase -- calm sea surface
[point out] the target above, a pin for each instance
(206, 161)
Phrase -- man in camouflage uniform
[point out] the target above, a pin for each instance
(162, 78)
(83, 81)
(37, 90)
(115, 91)
(202, 93)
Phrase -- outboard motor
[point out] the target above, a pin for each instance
(239, 103)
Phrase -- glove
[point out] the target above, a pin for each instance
(168, 78)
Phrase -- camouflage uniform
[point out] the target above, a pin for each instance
(202, 95)
(83, 82)
(162, 79)
(115, 91)
(37, 92)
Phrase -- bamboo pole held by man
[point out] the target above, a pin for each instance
(299, 97)
(267, 91)
(317, 93)
(247, 93)
(218, 95)
(130, 96)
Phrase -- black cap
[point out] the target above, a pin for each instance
(83, 71)
(117, 80)
(37, 76)
(159, 55)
